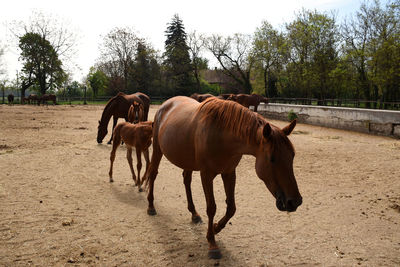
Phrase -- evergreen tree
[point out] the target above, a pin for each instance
(177, 60)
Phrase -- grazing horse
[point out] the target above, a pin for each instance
(117, 107)
(211, 137)
(47, 97)
(134, 135)
(32, 98)
(249, 100)
(10, 98)
(200, 97)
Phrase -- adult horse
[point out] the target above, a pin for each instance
(32, 98)
(47, 97)
(117, 107)
(211, 137)
(10, 99)
(249, 100)
(200, 97)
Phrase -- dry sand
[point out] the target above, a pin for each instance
(58, 207)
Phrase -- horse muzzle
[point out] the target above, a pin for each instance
(287, 204)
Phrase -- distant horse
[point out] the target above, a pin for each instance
(211, 137)
(249, 100)
(117, 107)
(47, 97)
(224, 96)
(10, 98)
(136, 136)
(200, 97)
(32, 98)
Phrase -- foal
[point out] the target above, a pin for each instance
(136, 136)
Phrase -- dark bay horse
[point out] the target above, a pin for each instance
(211, 137)
(200, 97)
(47, 97)
(10, 99)
(32, 98)
(249, 100)
(117, 107)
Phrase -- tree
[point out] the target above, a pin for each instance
(2, 66)
(41, 64)
(117, 56)
(196, 45)
(270, 50)
(55, 32)
(233, 54)
(98, 81)
(312, 39)
(177, 60)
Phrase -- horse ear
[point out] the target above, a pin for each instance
(288, 129)
(267, 130)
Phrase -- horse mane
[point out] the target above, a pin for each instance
(231, 116)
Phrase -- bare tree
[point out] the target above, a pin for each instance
(196, 45)
(234, 55)
(118, 53)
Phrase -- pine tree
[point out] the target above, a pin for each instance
(177, 60)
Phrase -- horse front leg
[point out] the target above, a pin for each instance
(139, 167)
(115, 119)
(112, 158)
(129, 158)
(187, 180)
(207, 182)
(229, 180)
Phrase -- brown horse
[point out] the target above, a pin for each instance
(117, 107)
(10, 99)
(211, 137)
(200, 97)
(32, 98)
(47, 97)
(134, 135)
(249, 100)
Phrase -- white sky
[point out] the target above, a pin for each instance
(93, 19)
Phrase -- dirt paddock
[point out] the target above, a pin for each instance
(58, 208)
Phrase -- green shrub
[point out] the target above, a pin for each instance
(292, 115)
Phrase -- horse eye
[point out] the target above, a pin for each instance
(272, 159)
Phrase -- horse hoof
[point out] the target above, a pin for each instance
(151, 212)
(214, 254)
(196, 219)
(111, 180)
(140, 190)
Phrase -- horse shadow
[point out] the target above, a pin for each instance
(183, 242)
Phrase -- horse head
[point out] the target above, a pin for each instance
(136, 112)
(274, 165)
(101, 132)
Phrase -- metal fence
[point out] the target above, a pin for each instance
(353, 103)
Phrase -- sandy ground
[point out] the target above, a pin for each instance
(58, 208)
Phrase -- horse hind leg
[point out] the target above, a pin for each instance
(151, 176)
(187, 180)
(139, 167)
(129, 158)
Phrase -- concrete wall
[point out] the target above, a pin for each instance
(382, 122)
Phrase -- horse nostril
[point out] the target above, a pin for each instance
(292, 204)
